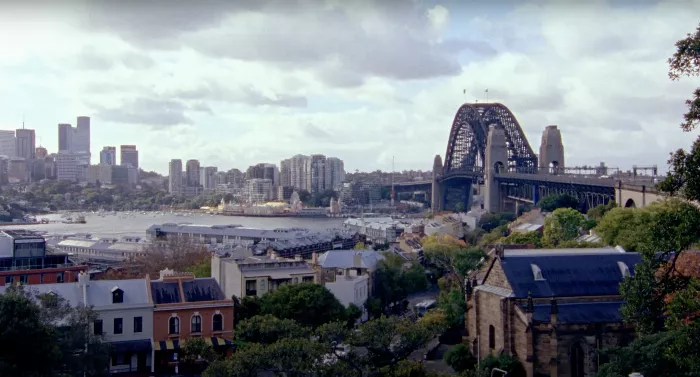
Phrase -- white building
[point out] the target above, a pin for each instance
(348, 275)
(300, 172)
(378, 230)
(67, 166)
(259, 190)
(7, 143)
(241, 274)
(336, 172)
(125, 317)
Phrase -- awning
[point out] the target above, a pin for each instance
(216, 342)
(166, 345)
(143, 345)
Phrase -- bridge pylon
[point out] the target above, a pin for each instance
(495, 160)
(436, 201)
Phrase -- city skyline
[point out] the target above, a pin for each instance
(608, 91)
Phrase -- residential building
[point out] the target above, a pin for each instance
(175, 177)
(286, 242)
(108, 156)
(124, 317)
(129, 155)
(380, 230)
(188, 307)
(444, 225)
(111, 175)
(65, 137)
(100, 250)
(300, 172)
(192, 175)
(554, 309)
(207, 177)
(8, 143)
(258, 190)
(286, 172)
(24, 259)
(348, 274)
(241, 274)
(335, 172)
(284, 192)
(318, 173)
(25, 140)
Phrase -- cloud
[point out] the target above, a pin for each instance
(91, 58)
(156, 113)
(245, 94)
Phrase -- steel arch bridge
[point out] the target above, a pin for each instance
(467, 142)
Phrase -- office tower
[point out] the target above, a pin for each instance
(26, 143)
(286, 172)
(130, 156)
(175, 177)
(318, 173)
(192, 173)
(41, 152)
(81, 139)
(108, 156)
(65, 137)
(336, 172)
(207, 177)
(67, 166)
(8, 143)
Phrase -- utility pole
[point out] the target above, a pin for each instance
(392, 181)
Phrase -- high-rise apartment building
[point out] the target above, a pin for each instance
(108, 156)
(175, 177)
(300, 172)
(26, 143)
(207, 177)
(318, 173)
(336, 172)
(286, 172)
(129, 155)
(192, 173)
(65, 137)
(8, 143)
(315, 173)
(67, 166)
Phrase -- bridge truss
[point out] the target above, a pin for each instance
(467, 142)
(533, 190)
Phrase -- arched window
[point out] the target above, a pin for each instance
(174, 325)
(218, 322)
(196, 323)
(492, 337)
(577, 360)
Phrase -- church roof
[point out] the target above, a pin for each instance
(584, 312)
(567, 275)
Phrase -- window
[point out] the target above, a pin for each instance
(536, 272)
(218, 322)
(492, 337)
(118, 325)
(59, 277)
(174, 325)
(98, 327)
(138, 324)
(577, 360)
(41, 279)
(196, 324)
(23, 279)
(624, 269)
(117, 296)
(8, 280)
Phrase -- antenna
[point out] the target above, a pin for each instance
(22, 120)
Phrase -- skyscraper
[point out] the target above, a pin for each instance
(130, 156)
(81, 140)
(300, 172)
(336, 172)
(65, 137)
(192, 170)
(26, 143)
(286, 172)
(41, 152)
(8, 143)
(175, 177)
(108, 156)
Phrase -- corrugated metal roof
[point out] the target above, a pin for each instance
(567, 275)
(495, 290)
(277, 273)
(346, 259)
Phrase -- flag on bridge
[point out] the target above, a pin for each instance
(464, 91)
(487, 90)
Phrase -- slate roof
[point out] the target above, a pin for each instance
(587, 312)
(595, 274)
(197, 290)
(99, 292)
(345, 259)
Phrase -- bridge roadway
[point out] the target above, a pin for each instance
(573, 179)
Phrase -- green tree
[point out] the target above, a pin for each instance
(452, 257)
(245, 308)
(459, 207)
(268, 329)
(490, 221)
(526, 238)
(201, 269)
(460, 358)
(685, 62)
(394, 282)
(453, 305)
(563, 224)
(310, 304)
(553, 202)
(596, 213)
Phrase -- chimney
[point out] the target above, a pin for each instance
(314, 258)
(83, 278)
(500, 251)
(166, 272)
(554, 311)
(357, 260)
(530, 308)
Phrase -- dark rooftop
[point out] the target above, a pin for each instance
(568, 275)
(204, 289)
(23, 234)
(165, 292)
(585, 312)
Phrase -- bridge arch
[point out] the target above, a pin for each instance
(467, 142)
(630, 203)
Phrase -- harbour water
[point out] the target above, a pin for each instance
(136, 223)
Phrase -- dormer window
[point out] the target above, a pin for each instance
(624, 269)
(536, 272)
(117, 295)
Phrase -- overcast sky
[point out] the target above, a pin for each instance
(237, 82)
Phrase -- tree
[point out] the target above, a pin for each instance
(247, 307)
(596, 213)
(310, 304)
(268, 329)
(452, 257)
(553, 202)
(490, 221)
(196, 355)
(459, 207)
(394, 282)
(563, 224)
(686, 62)
(526, 238)
(451, 302)
(176, 253)
(201, 269)
(460, 358)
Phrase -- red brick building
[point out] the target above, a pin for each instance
(24, 260)
(185, 308)
(552, 309)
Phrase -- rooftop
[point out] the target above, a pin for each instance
(196, 290)
(347, 259)
(20, 234)
(584, 312)
(233, 230)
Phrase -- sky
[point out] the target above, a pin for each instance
(238, 82)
